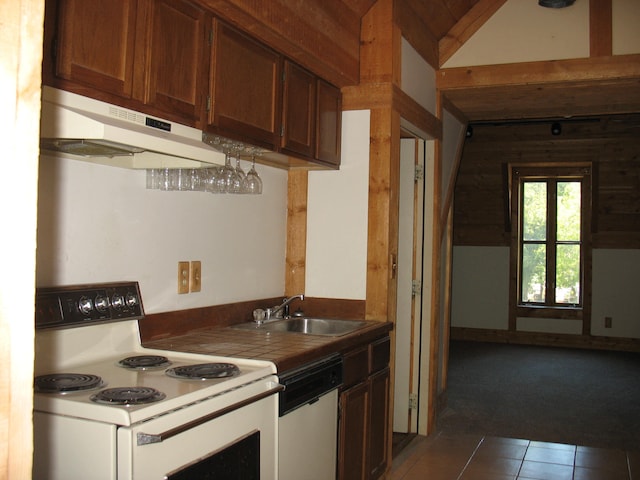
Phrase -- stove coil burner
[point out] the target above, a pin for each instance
(128, 396)
(144, 362)
(204, 371)
(67, 382)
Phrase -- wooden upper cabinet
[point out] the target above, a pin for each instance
(328, 124)
(245, 88)
(149, 55)
(299, 111)
(176, 59)
(91, 45)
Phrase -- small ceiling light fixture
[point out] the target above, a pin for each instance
(555, 3)
(556, 128)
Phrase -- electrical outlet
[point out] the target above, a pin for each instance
(183, 277)
(607, 322)
(196, 276)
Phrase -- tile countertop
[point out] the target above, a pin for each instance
(286, 349)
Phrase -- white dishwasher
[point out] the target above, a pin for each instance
(308, 422)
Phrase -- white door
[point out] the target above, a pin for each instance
(409, 301)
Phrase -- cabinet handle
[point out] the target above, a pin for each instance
(148, 438)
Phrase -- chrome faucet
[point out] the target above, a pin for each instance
(260, 316)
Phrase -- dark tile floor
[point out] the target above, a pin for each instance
(474, 457)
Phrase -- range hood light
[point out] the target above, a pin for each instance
(89, 148)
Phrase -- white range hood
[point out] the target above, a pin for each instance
(94, 131)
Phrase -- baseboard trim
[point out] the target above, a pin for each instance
(546, 339)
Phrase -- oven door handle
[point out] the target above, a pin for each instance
(148, 438)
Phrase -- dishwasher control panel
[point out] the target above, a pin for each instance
(308, 383)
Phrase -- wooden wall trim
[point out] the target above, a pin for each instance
(618, 67)
(383, 214)
(466, 27)
(600, 28)
(546, 339)
(296, 250)
(383, 95)
(332, 51)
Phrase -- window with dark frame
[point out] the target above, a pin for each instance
(551, 213)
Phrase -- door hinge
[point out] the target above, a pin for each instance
(413, 401)
(419, 173)
(416, 288)
(211, 37)
(208, 103)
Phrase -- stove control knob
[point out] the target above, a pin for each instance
(85, 305)
(132, 300)
(117, 301)
(102, 303)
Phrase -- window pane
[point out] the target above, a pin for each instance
(567, 273)
(568, 220)
(534, 268)
(534, 211)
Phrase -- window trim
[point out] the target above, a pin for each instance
(559, 170)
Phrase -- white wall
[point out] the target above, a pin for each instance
(616, 277)
(337, 214)
(417, 78)
(480, 287)
(481, 293)
(452, 142)
(522, 31)
(99, 223)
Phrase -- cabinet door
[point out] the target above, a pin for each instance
(328, 124)
(245, 85)
(95, 44)
(379, 426)
(177, 60)
(352, 442)
(299, 110)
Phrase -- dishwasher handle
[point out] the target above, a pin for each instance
(148, 438)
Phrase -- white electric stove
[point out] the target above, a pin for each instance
(107, 408)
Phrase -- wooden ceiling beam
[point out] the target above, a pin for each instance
(618, 67)
(600, 28)
(416, 31)
(466, 27)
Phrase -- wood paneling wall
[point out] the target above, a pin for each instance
(611, 143)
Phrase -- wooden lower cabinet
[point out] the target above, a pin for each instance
(364, 413)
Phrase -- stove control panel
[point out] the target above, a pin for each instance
(77, 305)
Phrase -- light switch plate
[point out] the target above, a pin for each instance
(183, 277)
(196, 276)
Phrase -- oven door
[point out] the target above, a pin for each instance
(232, 435)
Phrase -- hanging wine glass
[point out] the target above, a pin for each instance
(239, 172)
(212, 179)
(252, 183)
(237, 177)
(225, 177)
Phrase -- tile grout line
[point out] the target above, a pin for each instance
(470, 457)
(522, 461)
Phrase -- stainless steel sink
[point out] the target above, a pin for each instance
(305, 325)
